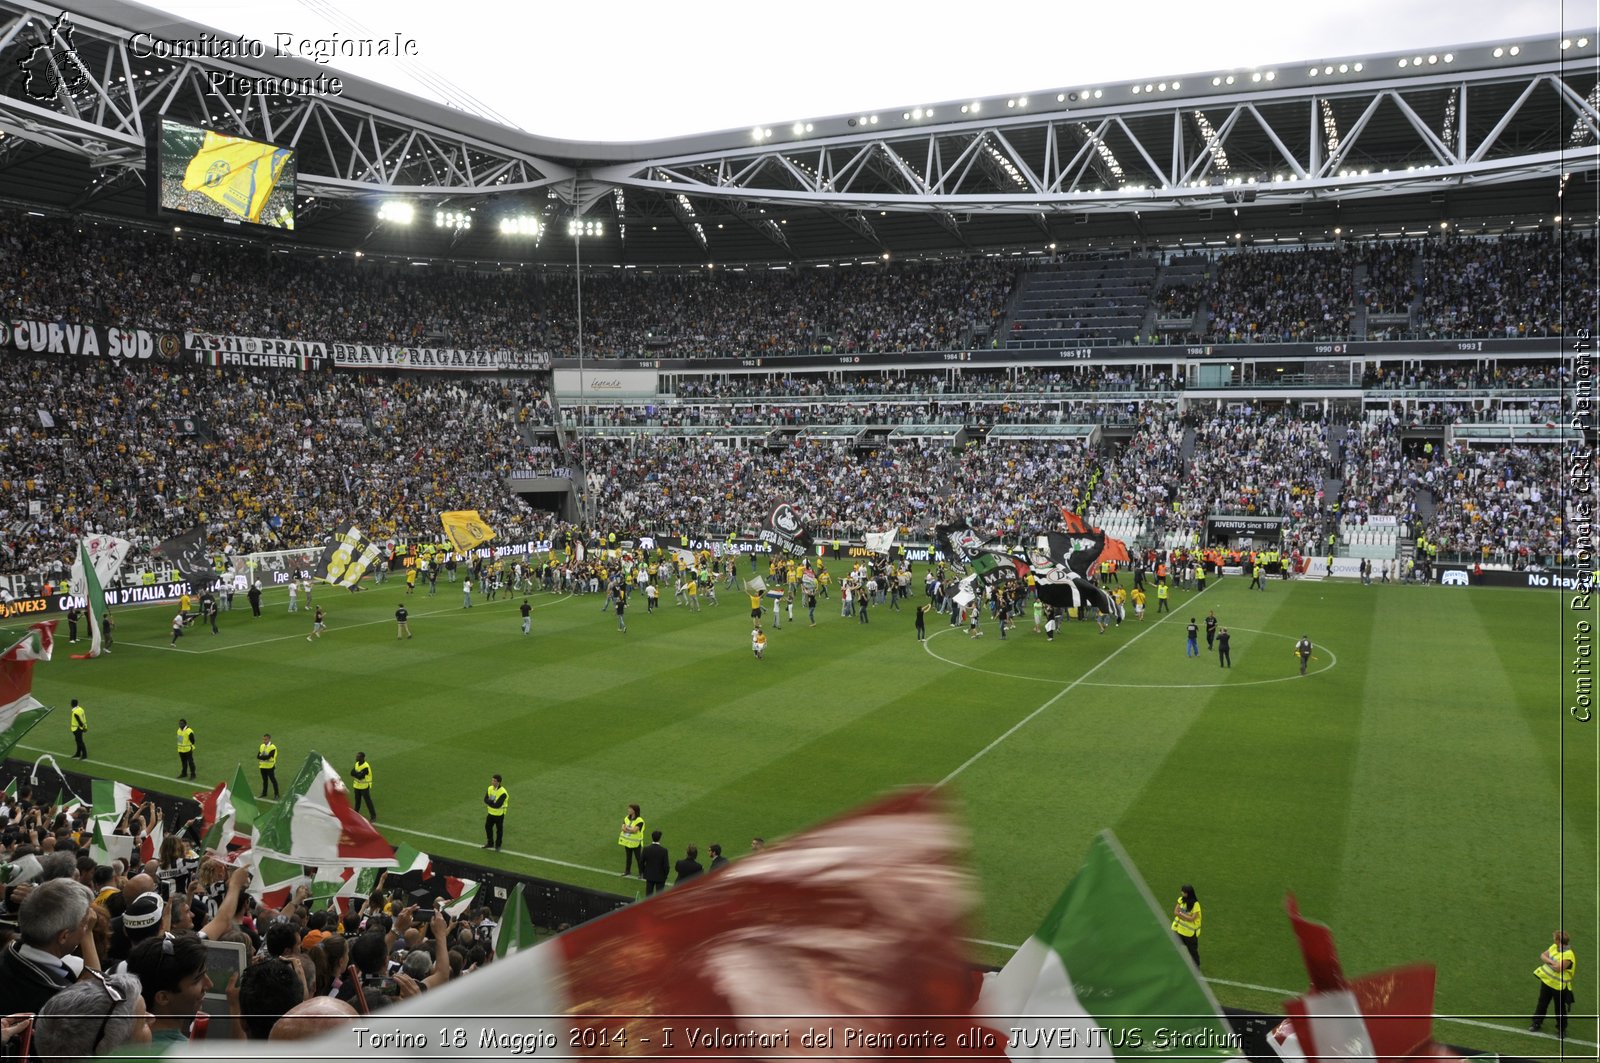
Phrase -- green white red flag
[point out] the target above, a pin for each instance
(315, 825)
(20, 711)
(1101, 973)
(94, 557)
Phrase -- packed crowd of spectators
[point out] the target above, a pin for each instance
(275, 459)
(1390, 287)
(1018, 380)
(108, 274)
(1496, 504)
(1257, 463)
(1538, 284)
(1378, 479)
(1142, 478)
(655, 482)
(800, 414)
(98, 954)
(1462, 376)
(1280, 297)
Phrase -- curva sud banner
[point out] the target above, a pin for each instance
(74, 339)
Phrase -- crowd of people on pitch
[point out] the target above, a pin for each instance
(269, 460)
(98, 952)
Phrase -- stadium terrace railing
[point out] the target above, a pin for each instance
(1514, 433)
(1510, 391)
(1553, 346)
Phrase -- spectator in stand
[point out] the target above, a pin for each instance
(93, 1017)
(53, 947)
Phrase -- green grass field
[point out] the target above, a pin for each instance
(1409, 790)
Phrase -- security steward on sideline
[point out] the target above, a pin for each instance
(267, 761)
(494, 823)
(185, 750)
(361, 783)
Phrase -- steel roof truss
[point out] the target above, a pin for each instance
(1505, 120)
(1294, 164)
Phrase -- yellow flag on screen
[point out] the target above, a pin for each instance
(465, 528)
(239, 174)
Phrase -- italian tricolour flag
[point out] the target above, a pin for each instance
(1102, 974)
(20, 711)
(86, 585)
(314, 824)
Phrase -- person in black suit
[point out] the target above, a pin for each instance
(717, 859)
(653, 864)
(689, 866)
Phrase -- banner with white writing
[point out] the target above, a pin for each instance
(85, 340)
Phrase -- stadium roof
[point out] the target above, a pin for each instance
(1478, 135)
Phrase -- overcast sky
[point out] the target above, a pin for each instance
(630, 70)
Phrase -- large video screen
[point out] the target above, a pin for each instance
(218, 176)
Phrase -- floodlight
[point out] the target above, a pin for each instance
(520, 225)
(398, 211)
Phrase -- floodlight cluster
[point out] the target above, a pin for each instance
(397, 211)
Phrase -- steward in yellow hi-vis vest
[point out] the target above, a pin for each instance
(632, 838)
(1186, 917)
(1556, 968)
(361, 783)
(495, 800)
(80, 727)
(185, 750)
(267, 761)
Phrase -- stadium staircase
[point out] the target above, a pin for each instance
(1081, 303)
(1189, 271)
(1186, 451)
(1358, 321)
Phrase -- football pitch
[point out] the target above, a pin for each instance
(1422, 790)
